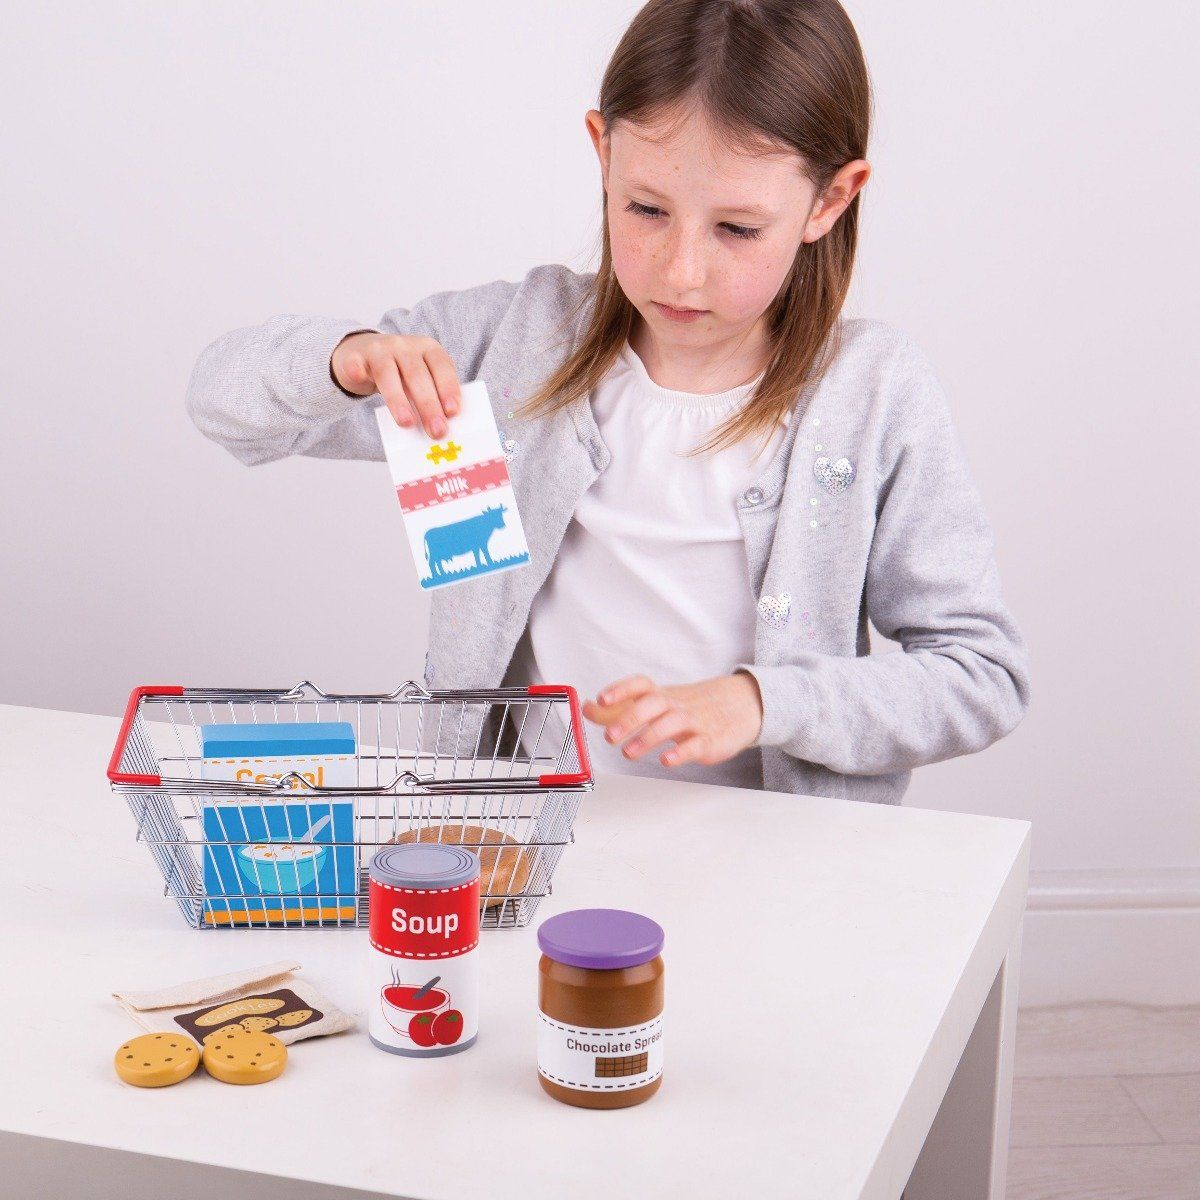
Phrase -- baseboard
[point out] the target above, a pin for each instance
(1128, 936)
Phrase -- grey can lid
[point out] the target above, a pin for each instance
(427, 865)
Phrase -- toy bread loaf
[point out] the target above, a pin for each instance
(501, 872)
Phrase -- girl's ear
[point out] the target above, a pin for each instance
(599, 135)
(844, 186)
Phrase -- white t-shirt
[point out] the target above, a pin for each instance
(651, 577)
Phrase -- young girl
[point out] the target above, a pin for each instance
(721, 479)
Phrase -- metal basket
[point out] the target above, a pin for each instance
(439, 765)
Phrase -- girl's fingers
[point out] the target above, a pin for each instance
(671, 726)
(418, 383)
(445, 379)
(639, 714)
(625, 689)
(355, 371)
(689, 749)
(388, 385)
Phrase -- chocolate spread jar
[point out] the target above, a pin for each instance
(600, 1007)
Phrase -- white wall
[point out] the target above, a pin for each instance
(176, 170)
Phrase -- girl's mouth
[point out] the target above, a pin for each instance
(679, 314)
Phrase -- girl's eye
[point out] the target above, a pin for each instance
(743, 231)
(642, 210)
(746, 232)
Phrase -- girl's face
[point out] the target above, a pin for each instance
(694, 224)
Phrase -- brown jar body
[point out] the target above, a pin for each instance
(600, 999)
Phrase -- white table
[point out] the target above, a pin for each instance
(874, 950)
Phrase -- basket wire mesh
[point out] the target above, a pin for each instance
(490, 770)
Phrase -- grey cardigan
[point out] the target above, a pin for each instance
(867, 512)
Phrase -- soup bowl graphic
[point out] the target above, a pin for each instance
(278, 867)
(399, 1005)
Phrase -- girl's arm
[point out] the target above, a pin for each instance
(266, 392)
(962, 680)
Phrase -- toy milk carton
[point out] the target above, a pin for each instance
(459, 507)
(278, 861)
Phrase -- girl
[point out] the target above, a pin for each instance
(721, 479)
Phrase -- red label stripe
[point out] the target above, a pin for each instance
(452, 485)
(419, 923)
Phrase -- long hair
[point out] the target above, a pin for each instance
(766, 74)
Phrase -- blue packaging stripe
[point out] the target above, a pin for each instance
(301, 738)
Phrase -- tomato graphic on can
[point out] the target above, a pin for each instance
(424, 935)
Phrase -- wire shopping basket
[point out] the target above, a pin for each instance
(491, 770)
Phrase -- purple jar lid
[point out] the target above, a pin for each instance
(600, 938)
(432, 865)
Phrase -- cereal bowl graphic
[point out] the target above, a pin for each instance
(278, 867)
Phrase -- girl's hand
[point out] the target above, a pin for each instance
(708, 721)
(414, 375)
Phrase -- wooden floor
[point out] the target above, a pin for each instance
(1106, 1104)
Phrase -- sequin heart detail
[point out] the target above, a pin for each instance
(510, 449)
(834, 477)
(775, 610)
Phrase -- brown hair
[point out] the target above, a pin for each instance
(770, 75)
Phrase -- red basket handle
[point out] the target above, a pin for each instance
(116, 775)
(582, 776)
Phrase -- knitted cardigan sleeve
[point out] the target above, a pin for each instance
(961, 680)
(265, 392)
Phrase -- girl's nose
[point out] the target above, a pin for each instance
(686, 264)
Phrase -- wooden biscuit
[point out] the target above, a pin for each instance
(225, 1029)
(156, 1059)
(504, 871)
(244, 1056)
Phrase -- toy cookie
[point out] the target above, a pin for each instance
(156, 1059)
(244, 1056)
(225, 1029)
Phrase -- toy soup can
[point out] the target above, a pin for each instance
(600, 1007)
(424, 934)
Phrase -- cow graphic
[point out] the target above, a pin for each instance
(469, 536)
